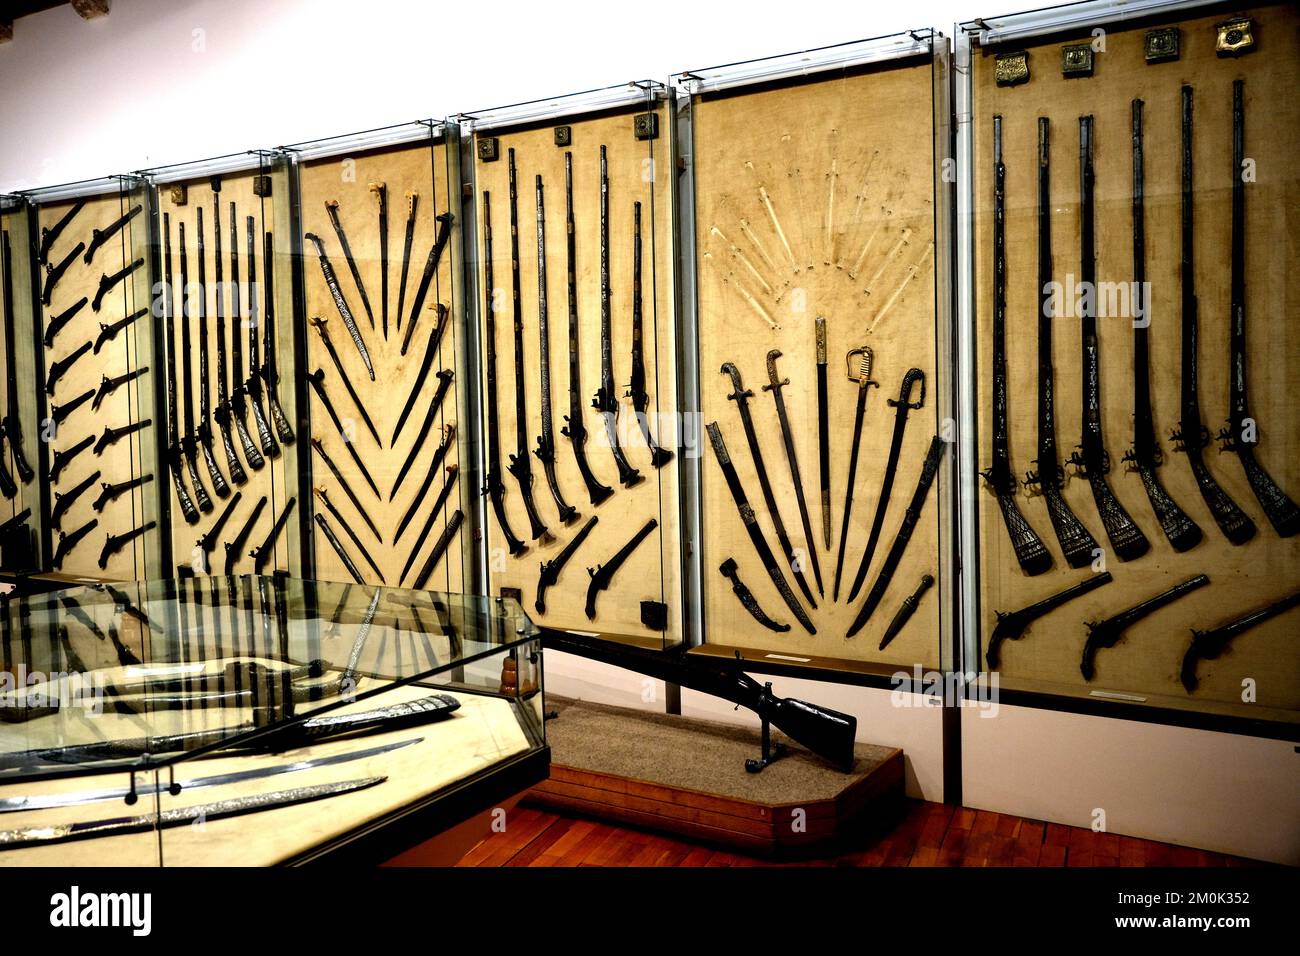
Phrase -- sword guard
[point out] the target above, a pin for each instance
(865, 357)
(910, 379)
(774, 380)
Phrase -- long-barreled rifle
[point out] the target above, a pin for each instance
(269, 371)
(636, 389)
(204, 433)
(221, 411)
(188, 443)
(253, 384)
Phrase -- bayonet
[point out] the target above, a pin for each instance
(108, 282)
(59, 413)
(636, 387)
(323, 495)
(444, 221)
(746, 597)
(439, 548)
(1107, 633)
(412, 201)
(606, 400)
(741, 396)
(906, 610)
(435, 403)
(347, 489)
(332, 210)
(176, 447)
(208, 542)
(63, 458)
(236, 545)
(98, 237)
(337, 545)
(435, 336)
(317, 323)
(440, 501)
(66, 499)
(116, 542)
(264, 552)
(381, 196)
(755, 533)
(112, 436)
(269, 369)
(823, 430)
(108, 331)
(775, 384)
(902, 405)
(545, 450)
(253, 384)
(603, 574)
(108, 386)
(331, 280)
(1032, 556)
(858, 361)
(238, 406)
(53, 273)
(69, 541)
(58, 322)
(1241, 433)
(910, 517)
(199, 437)
(221, 411)
(111, 492)
(59, 368)
(1091, 458)
(574, 429)
(493, 486)
(317, 382)
(550, 574)
(1208, 645)
(449, 432)
(50, 234)
(1181, 531)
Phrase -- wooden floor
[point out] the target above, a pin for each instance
(931, 834)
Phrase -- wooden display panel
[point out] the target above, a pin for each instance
(420, 169)
(635, 169)
(815, 198)
(1146, 663)
(19, 402)
(273, 480)
(132, 456)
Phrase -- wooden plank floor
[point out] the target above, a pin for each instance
(930, 834)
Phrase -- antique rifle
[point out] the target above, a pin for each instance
(439, 548)
(444, 221)
(545, 450)
(906, 610)
(1181, 531)
(449, 433)
(318, 323)
(1031, 555)
(521, 461)
(1106, 634)
(774, 385)
(332, 210)
(63, 458)
(381, 196)
(1091, 457)
(60, 321)
(108, 386)
(861, 373)
(636, 387)
(59, 413)
(348, 564)
(1077, 543)
(493, 486)
(746, 597)
(323, 495)
(550, 574)
(116, 542)
(108, 331)
(50, 234)
(603, 574)
(10, 423)
(1208, 645)
(108, 282)
(430, 351)
(60, 368)
(453, 472)
(331, 280)
(98, 237)
(253, 384)
(412, 201)
(445, 378)
(823, 430)
(69, 541)
(317, 381)
(1012, 625)
(176, 447)
(7, 486)
(53, 273)
(741, 396)
(112, 435)
(235, 546)
(266, 549)
(238, 403)
(347, 489)
(111, 492)
(269, 371)
(222, 410)
(755, 533)
(1241, 435)
(574, 429)
(66, 499)
(902, 405)
(201, 433)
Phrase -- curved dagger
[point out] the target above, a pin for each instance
(906, 610)
(331, 280)
(747, 599)
(550, 570)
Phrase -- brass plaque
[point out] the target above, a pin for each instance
(262, 186)
(646, 125)
(489, 149)
(180, 195)
(1011, 69)
(1161, 45)
(1235, 37)
(564, 136)
(1076, 59)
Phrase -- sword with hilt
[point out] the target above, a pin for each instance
(823, 429)
(774, 385)
(858, 361)
(381, 196)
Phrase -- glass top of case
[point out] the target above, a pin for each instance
(145, 674)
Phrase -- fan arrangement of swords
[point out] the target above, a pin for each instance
(85, 275)
(1127, 540)
(605, 402)
(216, 292)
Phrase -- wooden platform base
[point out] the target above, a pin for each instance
(688, 777)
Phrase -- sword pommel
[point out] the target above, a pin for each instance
(741, 394)
(774, 380)
(859, 362)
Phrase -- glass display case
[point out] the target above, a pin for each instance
(1129, 247)
(574, 205)
(257, 720)
(823, 350)
(20, 508)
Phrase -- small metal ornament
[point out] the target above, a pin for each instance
(1011, 69)
(1234, 37)
(1076, 60)
(180, 195)
(262, 186)
(489, 149)
(564, 136)
(646, 125)
(1161, 45)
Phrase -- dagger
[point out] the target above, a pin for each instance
(746, 597)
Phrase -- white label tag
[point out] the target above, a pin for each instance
(787, 657)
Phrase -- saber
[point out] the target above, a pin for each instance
(449, 433)
(752, 529)
(412, 200)
(901, 405)
(317, 381)
(108, 386)
(340, 303)
(603, 574)
(107, 282)
(741, 396)
(439, 502)
(69, 541)
(176, 447)
(238, 404)
(317, 323)
(1012, 625)
(439, 548)
(60, 368)
(775, 384)
(435, 403)
(116, 542)
(108, 332)
(222, 410)
(430, 267)
(112, 436)
(347, 489)
(332, 210)
(148, 822)
(1208, 645)
(53, 273)
(58, 322)
(208, 542)
(323, 495)
(63, 458)
(98, 237)
(823, 431)
(746, 597)
(550, 573)
(1106, 634)
(865, 357)
(906, 610)
(381, 195)
(337, 545)
(435, 337)
(236, 545)
(263, 552)
(111, 493)
(636, 385)
(65, 500)
(910, 517)
(50, 234)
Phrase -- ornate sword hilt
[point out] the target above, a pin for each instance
(740, 393)
(910, 380)
(859, 361)
(775, 382)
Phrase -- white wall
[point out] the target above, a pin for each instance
(165, 81)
